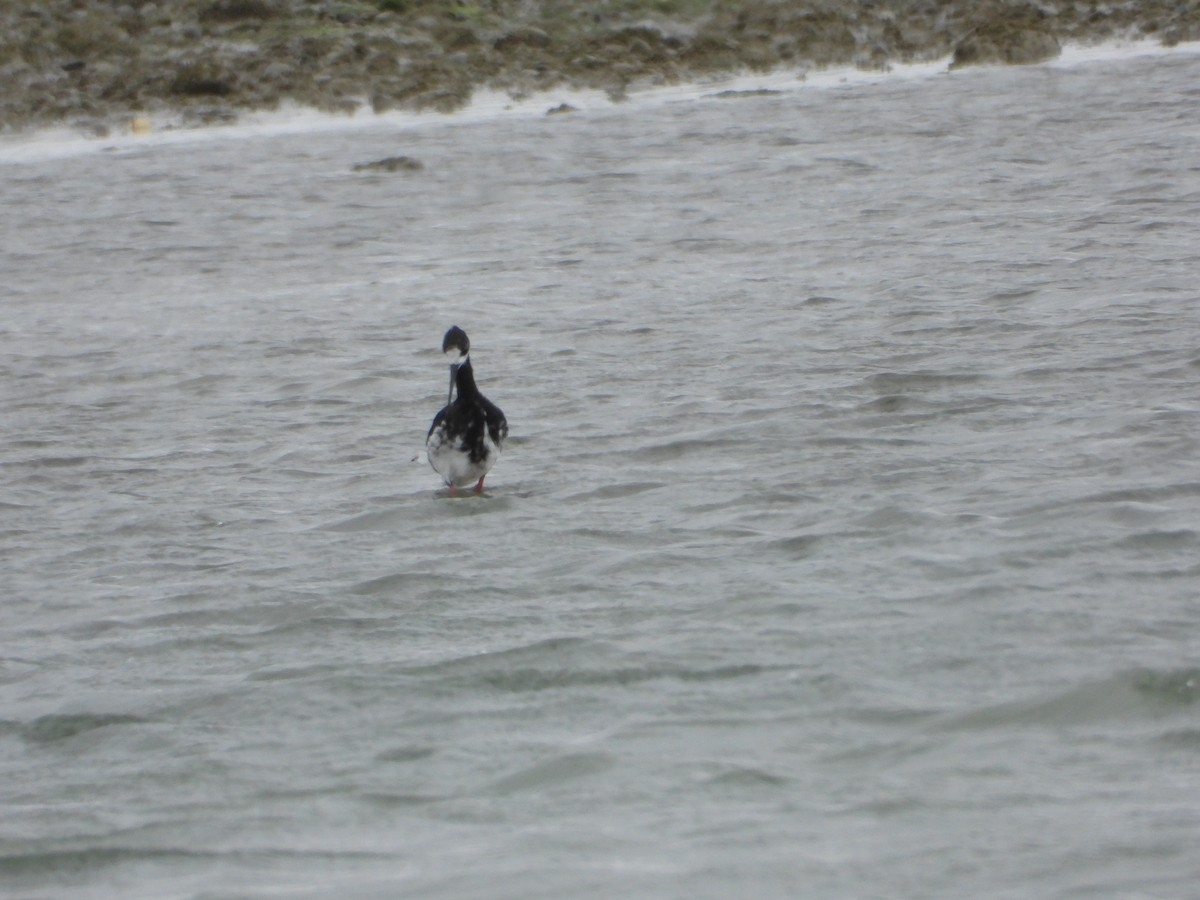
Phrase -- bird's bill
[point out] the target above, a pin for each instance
(454, 367)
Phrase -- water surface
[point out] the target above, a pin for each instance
(845, 544)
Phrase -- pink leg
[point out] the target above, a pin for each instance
(479, 484)
(453, 489)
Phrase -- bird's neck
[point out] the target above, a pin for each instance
(465, 381)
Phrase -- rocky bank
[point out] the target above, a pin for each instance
(94, 64)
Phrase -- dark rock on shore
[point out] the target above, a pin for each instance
(98, 64)
(1016, 36)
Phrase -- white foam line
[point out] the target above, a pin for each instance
(1074, 55)
(62, 142)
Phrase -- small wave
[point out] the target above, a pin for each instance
(60, 727)
(890, 403)
(564, 663)
(538, 649)
(1180, 686)
(613, 537)
(894, 382)
(1128, 695)
(843, 440)
(203, 384)
(1008, 295)
(408, 581)
(676, 449)
(893, 516)
(56, 462)
(314, 625)
(356, 384)
(548, 773)
(847, 164)
(882, 807)
(14, 669)
(391, 800)
(534, 679)
(1145, 494)
(382, 520)
(1182, 538)
(1184, 739)
(617, 491)
(800, 546)
(83, 860)
(1130, 513)
(404, 754)
(745, 776)
(291, 673)
(549, 648)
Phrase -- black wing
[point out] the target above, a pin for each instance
(437, 420)
(497, 424)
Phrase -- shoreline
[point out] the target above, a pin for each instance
(202, 62)
(62, 140)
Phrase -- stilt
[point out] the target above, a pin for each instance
(465, 436)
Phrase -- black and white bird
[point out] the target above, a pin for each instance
(465, 437)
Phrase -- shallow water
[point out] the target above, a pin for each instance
(846, 543)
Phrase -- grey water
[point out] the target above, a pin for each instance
(846, 543)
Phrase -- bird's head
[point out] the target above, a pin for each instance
(455, 345)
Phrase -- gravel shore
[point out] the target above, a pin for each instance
(102, 64)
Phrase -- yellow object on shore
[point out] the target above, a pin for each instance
(139, 125)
